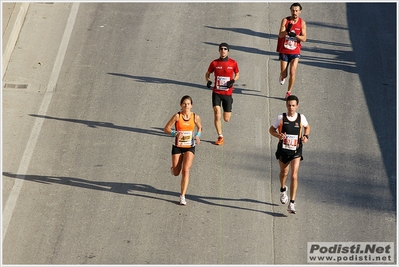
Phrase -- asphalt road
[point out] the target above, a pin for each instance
(86, 164)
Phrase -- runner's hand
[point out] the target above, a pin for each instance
(197, 140)
(292, 34)
(209, 84)
(230, 83)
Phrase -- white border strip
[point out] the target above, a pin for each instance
(26, 157)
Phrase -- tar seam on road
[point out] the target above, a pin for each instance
(270, 141)
(30, 146)
(221, 259)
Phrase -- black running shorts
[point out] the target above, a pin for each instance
(226, 101)
(181, 150)
(287, 158)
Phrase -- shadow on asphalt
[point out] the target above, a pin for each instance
(376, 66)
(238, 89)
(100, 124)
(142, 190)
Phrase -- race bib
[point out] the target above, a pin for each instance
(185, 139)
(290, 43)
(290, 142)
(221, 83)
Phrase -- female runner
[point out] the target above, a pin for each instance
(185, 139)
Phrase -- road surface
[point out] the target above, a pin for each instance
(90, 86)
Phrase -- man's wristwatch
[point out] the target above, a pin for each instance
(307, 136)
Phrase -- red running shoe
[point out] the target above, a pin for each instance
(220, 141)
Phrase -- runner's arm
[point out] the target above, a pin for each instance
(199, 129)
(168, 127)
(282, 32)
(236, 76)
(302, 36)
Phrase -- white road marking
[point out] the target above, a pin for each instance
(26, 157)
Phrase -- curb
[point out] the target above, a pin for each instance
(12, 31)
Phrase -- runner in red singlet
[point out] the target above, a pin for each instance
(292, 33)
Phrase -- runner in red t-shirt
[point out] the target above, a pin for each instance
(292, 33)
(226, 73)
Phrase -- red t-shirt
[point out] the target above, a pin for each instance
(290, 45)
(224, 72)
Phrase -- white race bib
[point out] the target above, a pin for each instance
(221, 83)
(290, 142)
(185, 139)
(290, 43)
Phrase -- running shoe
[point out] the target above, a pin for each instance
(284, 196)
(220, 141)
(281, 80)
(183, 201)
(287, 94)
(291, 208)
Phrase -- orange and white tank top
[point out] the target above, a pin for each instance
(186, 127)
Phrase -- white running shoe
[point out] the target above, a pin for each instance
(284, 196)
(183, 201)
(291, 208)
(281, 80)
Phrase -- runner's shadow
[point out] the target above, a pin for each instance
(100, 124)
(140, 190)
(246, 31)
(147, 79)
